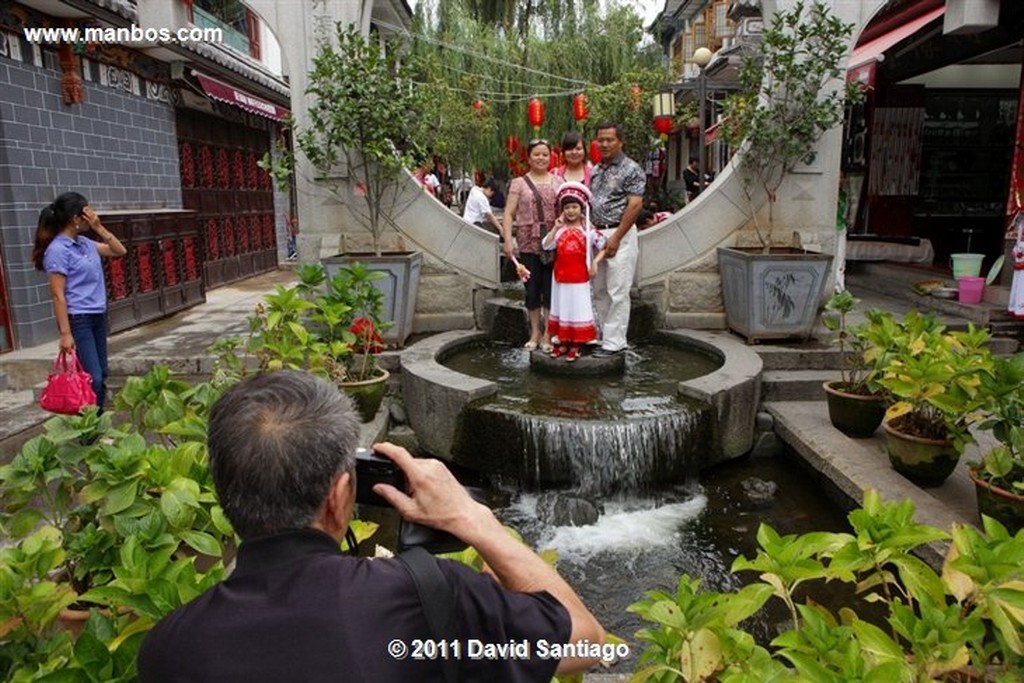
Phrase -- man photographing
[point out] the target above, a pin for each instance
(282, 454)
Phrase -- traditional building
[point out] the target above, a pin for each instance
(158, 111)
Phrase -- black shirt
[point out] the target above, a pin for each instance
(297, 609)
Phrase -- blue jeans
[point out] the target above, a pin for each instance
(90, 333)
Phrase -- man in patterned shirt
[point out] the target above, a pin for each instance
(618, 187)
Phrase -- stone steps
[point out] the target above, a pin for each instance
(795, 385)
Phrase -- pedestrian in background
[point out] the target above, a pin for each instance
(478, 206)
(77, 287)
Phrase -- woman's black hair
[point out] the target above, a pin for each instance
(571, 139)
(53, 219)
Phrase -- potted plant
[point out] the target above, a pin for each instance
(856, 404)
(328, 326)
(999, 477)
(937, 379)
(792, 93)
(365, 116)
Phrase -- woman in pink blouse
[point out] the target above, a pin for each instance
(521, 214)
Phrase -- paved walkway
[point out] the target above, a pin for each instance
(181, 340)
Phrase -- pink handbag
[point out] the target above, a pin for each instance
(69, 387)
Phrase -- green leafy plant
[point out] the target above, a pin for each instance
(362, 127)
(327, 327)
(859, 374)
(937, 378)
(1003, 465)
(792, 92)
(964, 623)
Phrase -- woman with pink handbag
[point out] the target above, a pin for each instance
(72, 262)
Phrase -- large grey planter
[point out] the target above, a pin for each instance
(772, 296)
(399, 287)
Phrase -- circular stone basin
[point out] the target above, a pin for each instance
(586, 364)
(623, 431)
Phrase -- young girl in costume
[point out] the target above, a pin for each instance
(571, 319)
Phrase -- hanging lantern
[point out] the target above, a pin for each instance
(478, 106)
(511, 144)
(595, 153)
(579, 108)
(557, 159)
(663, 126)
(634, 96)
(535, 113)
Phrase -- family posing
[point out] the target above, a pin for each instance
(572, 226)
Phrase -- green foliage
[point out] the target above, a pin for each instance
(859, 375)
(1003, 465)
(937, 377)
(327, 327)
(505, 53)
(792, 92)
(964, 624)
(365, 118)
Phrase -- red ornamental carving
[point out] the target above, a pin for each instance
(229, 237)
(191, 264)
(144, 267)
(579, 108)
(264, 180)
(243, 235)
(595, 152)
(119, 285)
(223, 169)
(212, 241)
(71, 86)
(255, 236)
(535, 113)
(268, 231)
(206, 165)
(239, 167)
(170, 263)
(187, 164)
(254, 172)
(663, 125)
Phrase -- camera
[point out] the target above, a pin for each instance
(371, 469)
(375, 469)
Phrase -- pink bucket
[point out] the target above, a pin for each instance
(971, 289)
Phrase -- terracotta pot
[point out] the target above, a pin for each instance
(926, 462)
(367, 394)
(73, 620)
(855, 415)
(1005, 506)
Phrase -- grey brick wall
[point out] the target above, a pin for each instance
(118, 149)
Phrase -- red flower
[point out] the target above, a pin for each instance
(368, 339)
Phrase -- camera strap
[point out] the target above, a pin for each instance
(437, 599)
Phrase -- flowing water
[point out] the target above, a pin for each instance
(619, 432)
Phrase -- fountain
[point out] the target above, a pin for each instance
(604, 467)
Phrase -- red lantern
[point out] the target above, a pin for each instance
(535, 113)
(478, 106)
(595, 153)
(663, 125)
(511, 144)
(579, 108)
(556, 159)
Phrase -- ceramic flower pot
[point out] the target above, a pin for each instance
(855, 415)
(1005, 506)
(927, 462)
(367, 394)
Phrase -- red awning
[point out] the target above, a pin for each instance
(229, 94)
(864, 57)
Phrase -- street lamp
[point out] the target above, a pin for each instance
(701, 57)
